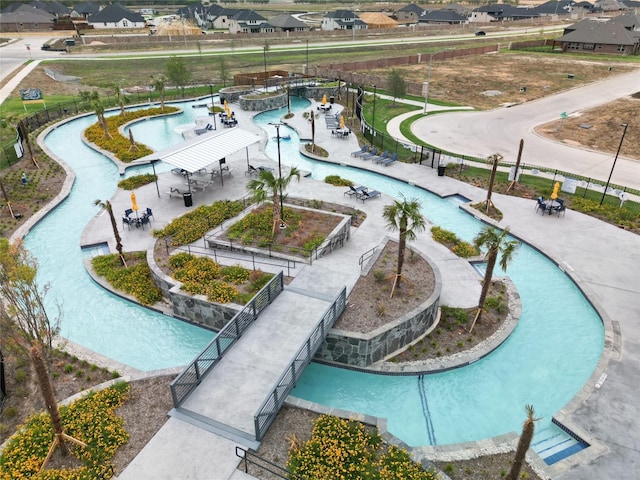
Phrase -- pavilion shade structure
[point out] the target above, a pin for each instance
(200, 152)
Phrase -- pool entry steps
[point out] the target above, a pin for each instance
(240, 399)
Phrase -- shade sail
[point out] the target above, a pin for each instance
(200, 152)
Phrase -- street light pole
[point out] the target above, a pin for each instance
(307, 69)
(213, 113)
(264, 54)
(278, 125)
(426, 90)
(625, 125)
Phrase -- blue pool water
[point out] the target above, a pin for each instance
(547, 359)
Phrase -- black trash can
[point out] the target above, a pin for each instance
(332, 99)
(441, 169)
(188, 200)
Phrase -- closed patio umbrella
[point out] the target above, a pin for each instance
(324, 99)
(341, 121)
(134, 203)
(554, 194)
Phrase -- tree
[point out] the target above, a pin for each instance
(496, 242)
(159, 83)
(177, 72)
(528, 428)
(93, 98)
(397, 85)
(22, 313)
(405, 217)
(121, 97)
(267, 185)
(46, 388)
(107, 206)
(223, 70)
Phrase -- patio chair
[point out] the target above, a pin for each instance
(390, 160)
(251, 170)
(380, 158)
(149, 213)
(128, 222)
(366, 195)
(128, 212)
(372, 153)
(362, 151)
(354, 190)
(540, 204)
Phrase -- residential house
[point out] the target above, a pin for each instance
(444, 16)
(600, 37)
(408, 14)
(498, 12)
(26, 18)
(220, 16)
(287, 23)
(116, 16)
(629, 20)
(342, 20)
(610, 6)
(378, 20)
(84, 10)
(56, 9)
(196, 13)
(563, 7)
(248, 21)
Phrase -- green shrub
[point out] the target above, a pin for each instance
(91, 419)
(379, 275)
(450, 240)
(337, 181)
(193, 225)
(235, 274)
(133, 280)
(136, 181)
(443, 236)
(10, 412)
(68, 368)
(465, 250)
(345, 449)
(21, 375)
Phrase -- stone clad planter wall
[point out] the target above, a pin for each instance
(261, 104)
(194, 308)
(363, 349)
(232, 94)
(317, 92)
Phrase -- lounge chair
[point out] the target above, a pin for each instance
(362, 151)
(390, 160)
(251, 170)
(372, 153)
(367, 194)
(354, 190)
(380, 158)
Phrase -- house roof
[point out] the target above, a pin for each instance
(54, 8)
(287, 21)
(201, 151)
(553, 7)
(86, 8)
(443, 16)
(630, 21)
(610, 5)
(377, 18)
(605, 33)
(115, 13)
(27, 14)
(412, 8)
(248, 16)
(341, 14)
(502, 10)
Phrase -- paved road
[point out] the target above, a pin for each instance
(485, 133)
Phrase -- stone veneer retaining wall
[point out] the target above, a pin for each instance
(363, 349)
(195, 308)
(232, 94)
(318, 92)
(263, 103)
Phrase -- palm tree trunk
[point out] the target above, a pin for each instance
(116, 234)
(523, 445)
(402, 242)
(486, 283)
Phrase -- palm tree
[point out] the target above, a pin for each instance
(405, 217)
(496, 242)
(159, 84)
(94, 100)
(120, 96)
(107, 206)
(528, 428)
(267, 185)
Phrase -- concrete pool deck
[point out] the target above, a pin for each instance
(602, 259)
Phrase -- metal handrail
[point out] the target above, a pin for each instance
(364, 257)
(267, 412)
(210, 356)
(278, 471)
